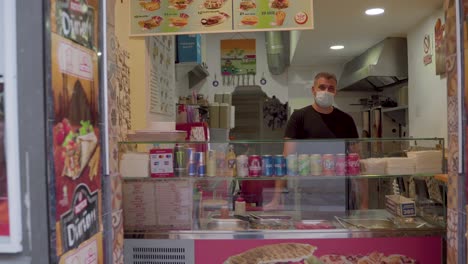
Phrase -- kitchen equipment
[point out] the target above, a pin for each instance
(230, 224)
(366, 223)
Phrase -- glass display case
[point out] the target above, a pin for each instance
(294, 189)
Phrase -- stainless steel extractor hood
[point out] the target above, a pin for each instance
(381, 66)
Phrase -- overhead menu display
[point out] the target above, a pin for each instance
(158, 17)
(272, 14)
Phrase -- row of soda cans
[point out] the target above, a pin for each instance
(298, 165)
(189, 162)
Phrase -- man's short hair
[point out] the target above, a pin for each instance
(325, 75)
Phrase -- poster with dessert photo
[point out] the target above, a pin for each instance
(156, 17)
(251, 15)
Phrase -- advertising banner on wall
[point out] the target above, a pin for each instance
(4, 215)
(156, 17)
(75, 133)
(325, 251)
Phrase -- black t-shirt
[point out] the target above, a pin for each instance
(307, 123)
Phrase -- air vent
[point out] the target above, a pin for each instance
(155, 251)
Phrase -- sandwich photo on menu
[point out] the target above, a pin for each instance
(280, 4)
(180, 21)
(179, 4)
(151, 23)
(214, 20)
(249, 20)
(247, 5)
(285, 253)
(152, 5)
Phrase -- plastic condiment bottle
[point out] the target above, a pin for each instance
(240, 206)
(231, 162)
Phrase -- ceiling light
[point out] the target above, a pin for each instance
(337, 47)
(374, 11)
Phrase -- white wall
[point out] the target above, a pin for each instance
(427, 92)
(277, 84)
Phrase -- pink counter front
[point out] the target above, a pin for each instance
(423, 250)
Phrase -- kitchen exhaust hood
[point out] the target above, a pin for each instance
(381, 66)
(197, 74)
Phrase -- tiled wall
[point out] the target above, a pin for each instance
(118, 91)
(454, 215)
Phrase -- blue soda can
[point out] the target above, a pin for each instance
(267, 165)
(192, 162)
(200, 157)
(280, 165)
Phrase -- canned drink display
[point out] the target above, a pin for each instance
(211, 163)
(340, 165)
(255, 166)
(291, 164)
(221, 163)
(328, 165)
(180, 163)
(315, 164)
(280, 165)
(242, 166)
(303, 162)
(192, 162)
(201, 163)
(267, 165)
(353, 164)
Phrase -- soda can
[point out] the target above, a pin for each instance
(291, 164)
(255, 166)
(303, 162)
(328, 165)
(180, 163)
(267, 165)
(211, 163)
(340, 164)
(242, 166)
(192, 162)
(353, 164)
(315, 164)
(201, 163)
(280, 165)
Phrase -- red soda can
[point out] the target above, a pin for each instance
(328, 165)
(255, 166)
(340, 165)
(354, 164)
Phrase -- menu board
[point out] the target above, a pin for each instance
(157, 205)
(149, 17)
(272, 14)
(158, 17)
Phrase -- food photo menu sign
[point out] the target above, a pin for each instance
(158, 17)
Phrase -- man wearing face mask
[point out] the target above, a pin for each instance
(318, 121)
(322, 119)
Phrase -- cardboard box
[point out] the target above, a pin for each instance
(400, 205)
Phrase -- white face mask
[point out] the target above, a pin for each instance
(324, 99)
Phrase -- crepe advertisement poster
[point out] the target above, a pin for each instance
(238, 57)
(153, 17)
(272, 14)
(76, 145)
(321, 251)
